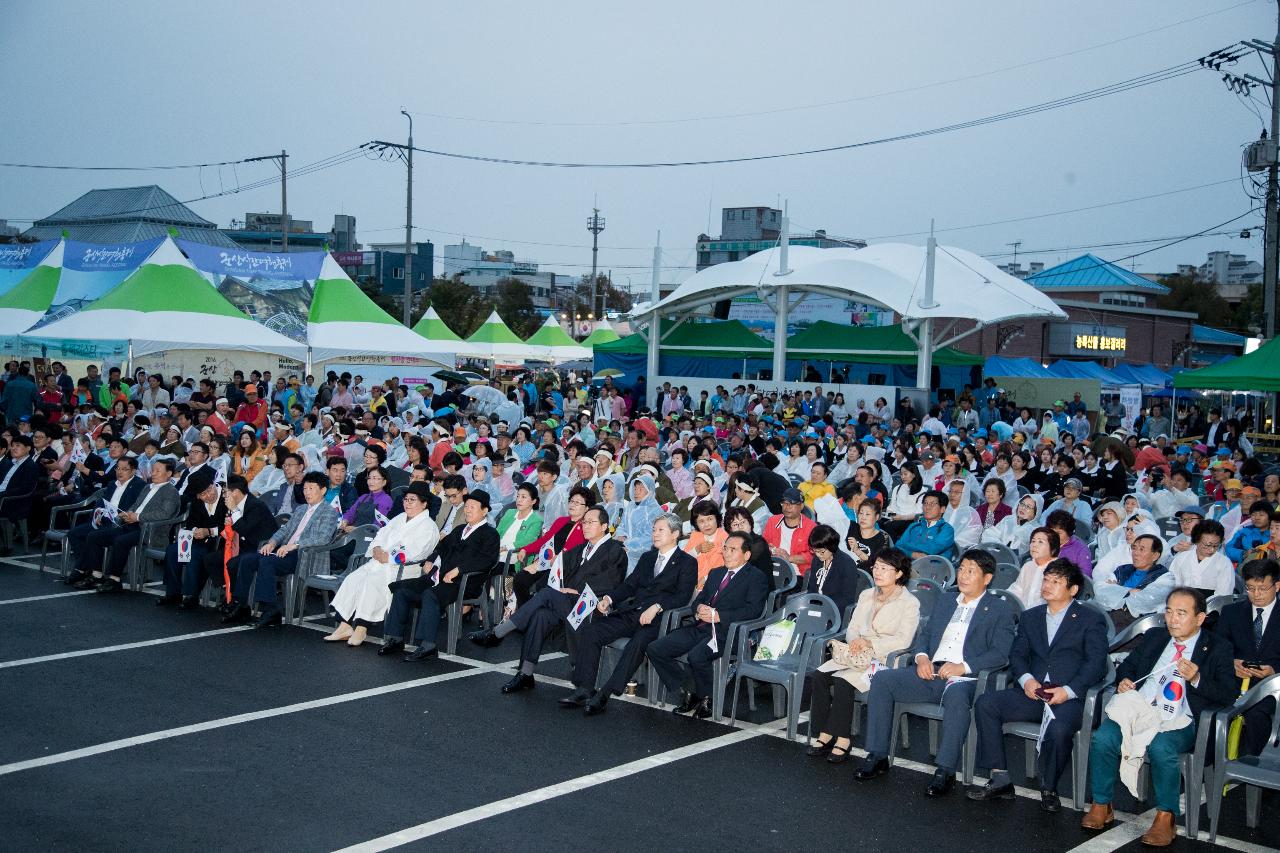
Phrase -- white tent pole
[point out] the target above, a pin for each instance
(309, 370)
(924, 364)
(655, 289)
(784, 302)
(129, 359)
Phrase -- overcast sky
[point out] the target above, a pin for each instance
(146, 83)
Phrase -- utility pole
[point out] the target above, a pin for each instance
(408, 226)
(281, 161)
(1015, 244)
(595, 225)
(405, 153)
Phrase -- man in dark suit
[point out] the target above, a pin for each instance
(159, 499)
(600, 563)
(197, 460)
(124, 491)
(734, 593)
(1204, 676)
(206, 514)
(1059, 652)
(967, 633)
(19, 476)
(252, 524)
(663, 580)
(472, 546)
(1253, 629)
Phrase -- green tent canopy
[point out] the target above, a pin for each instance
(835, 342)
(552, 343)
(434, 328)
(718, 339)
(495, 341)
(24, 305)
(1257, 371)
(603, 334)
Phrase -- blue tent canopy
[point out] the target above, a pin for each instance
(1084, 370)
(1141, 374)
(1023, 368)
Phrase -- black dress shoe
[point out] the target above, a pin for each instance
(941, 784)
(87, 582)
(168, 600)
(703, 711)
(236, 615)
(390, 647)
(871, 769)
(74, 578)
(989, 792)
(816, 749)
(422, 653)
(687, 703)
(1050, 802)
(576, 699)
(840, 757)
(189, 602)
(519, 683)
(598, 703)
(110, 585)
(485, 638)
(269, 617)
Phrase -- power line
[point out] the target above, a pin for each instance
(1162, 75)
(61, 167)
(1110, 245)
(841, 101)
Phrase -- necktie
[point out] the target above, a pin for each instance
(662, 561)
(1178, 648)
(1257, 629)
(728, 576)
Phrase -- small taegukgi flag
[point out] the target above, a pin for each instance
(185, 538)
(587, 602)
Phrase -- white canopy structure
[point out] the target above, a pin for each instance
(166, 304)
(345, 323)
(924, 285)
(494, 341)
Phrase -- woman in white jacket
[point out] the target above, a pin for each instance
(396, 553)
(1203, 566)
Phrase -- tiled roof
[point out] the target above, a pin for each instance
(126, 215)
(1089, 272)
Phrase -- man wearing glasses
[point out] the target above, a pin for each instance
(1253, 630)
(600, 563)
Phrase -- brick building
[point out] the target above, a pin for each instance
(1111, 318)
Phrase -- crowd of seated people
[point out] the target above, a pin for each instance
(1048, 529)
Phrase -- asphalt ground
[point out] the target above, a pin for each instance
(129, 727)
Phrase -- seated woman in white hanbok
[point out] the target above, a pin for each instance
(396, 553)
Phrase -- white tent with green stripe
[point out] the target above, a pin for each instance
(24, 305)
(551, 343)
(165, 304)
(493, 340)
(345, 323)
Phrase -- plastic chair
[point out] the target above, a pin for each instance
(785, 581)
(75, 510)
(1169, 526)
(295, 584)
(1003, 554)
(1004, 577)
(1254, 772)
(816, 621)
(327, 583)
(489, 595)
(1217, 602)
(935, 568)
(927, 591)
(144, 555)
(7, 526)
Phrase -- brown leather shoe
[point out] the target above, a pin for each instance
(1162, 832)
(1098, 817)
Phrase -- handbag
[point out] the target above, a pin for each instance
(859, 660)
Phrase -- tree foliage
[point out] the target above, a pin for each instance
(1195, 295)
(461, 308)
(372, 288)
(515, 306)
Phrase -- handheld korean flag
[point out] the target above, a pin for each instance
(555, 576)
(336, 503)
(78, 453)
(106, 514)
(185, 538)
(582, 609)
(1045, 719)
(1171, 697)
(379, 519)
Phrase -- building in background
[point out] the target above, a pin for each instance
(1017, 270)
(384, 263)
(126, 215)
(8, 233)
(747, 230)
(261, 232)
(1230, 274)
(482, 270)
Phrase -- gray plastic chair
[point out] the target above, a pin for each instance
(77, 510)
(816, 620)
(786, 580)
(489, 589)
(326, 583)
(144, 555)
(1254, 772)
(1002, 552)
(935, 568)
(1004, 577)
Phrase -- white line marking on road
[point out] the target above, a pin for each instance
(46, 597)
(102, 650)
(549, 792)
(223, 722)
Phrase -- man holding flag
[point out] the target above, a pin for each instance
(1179, 671)
(600, 563)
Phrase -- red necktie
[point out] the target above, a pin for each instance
(1178, 648)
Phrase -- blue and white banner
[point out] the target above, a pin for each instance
(18, 259)
(246, 265)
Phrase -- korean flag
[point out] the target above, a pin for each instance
(583, 607)
(185, 538)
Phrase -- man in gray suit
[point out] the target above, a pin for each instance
(312, 524)
(966, 634)
(157, 501)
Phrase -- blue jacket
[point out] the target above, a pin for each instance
(1246, 539)
(1077, 657)
(940, 538)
